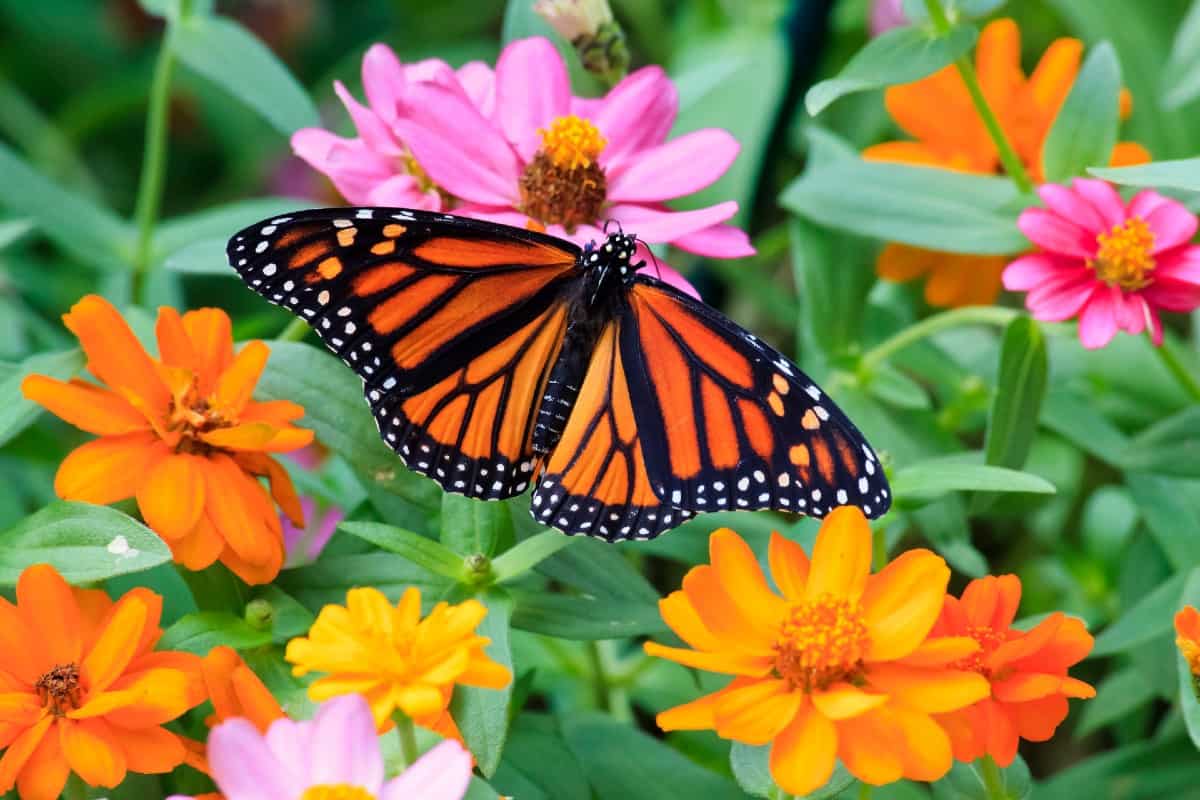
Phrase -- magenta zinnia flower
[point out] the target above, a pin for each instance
(515, 146)
(1112, 264)
(334, 755)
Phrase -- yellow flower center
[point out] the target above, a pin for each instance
(1123, 258)
(59, 689)
(336, 791)
(564, 184)
(1191, 653)
(821, 642)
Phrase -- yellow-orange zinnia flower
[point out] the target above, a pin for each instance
(396, 659)
(181, 434)
(1187, 637)
(1027, 670)
(83, 690)
(938, 113)
(836, 667)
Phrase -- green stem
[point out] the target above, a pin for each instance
(295, 331)
(609, 696)
(879, 547)
(993, 781)
(154, 156)
(408, 737)
(864, 791)
(970, 315)
(966, 70)
(779, 794)
(1178, 369)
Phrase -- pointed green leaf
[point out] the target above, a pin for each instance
(471, 526)
(200, 632)
(528, 554)
(17, 413)
(586, 618)
(1085, 131)
(901, 55)
(422, 551)
(482, 714)
(1146, 619)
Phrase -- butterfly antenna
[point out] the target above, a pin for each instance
(654, 258)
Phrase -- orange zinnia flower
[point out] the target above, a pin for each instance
(836, 667)
(83, 690)
(1027, 671)
(394, 658)
(181, 434)
(1187, 637)
(937, 111)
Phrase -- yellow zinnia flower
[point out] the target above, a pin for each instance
(836, 667)
(394, 658)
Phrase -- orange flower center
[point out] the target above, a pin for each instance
(564, 184)
(1191, 653)
(336, 791)
(191, 415)
(989, 639)
(59, 689)
(1123, 258)
(821, 642)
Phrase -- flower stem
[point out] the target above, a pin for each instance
(408, 737)
(970, 315)
(1178, 369)
(966, 70)
(993, 781)
(154, 163)
(864, 791)
(779, 794)
(295, 331)
(609, 696)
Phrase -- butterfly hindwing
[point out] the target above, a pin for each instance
(595, 479)
(453, 325)
(728, 423)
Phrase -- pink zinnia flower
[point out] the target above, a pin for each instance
(338, 749)
(514, 146)
(1113, 264)
(885, 15)
(304, 544)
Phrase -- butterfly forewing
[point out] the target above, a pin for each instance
(452, 324)
(728, 423)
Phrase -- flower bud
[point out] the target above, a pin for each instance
(591, 29)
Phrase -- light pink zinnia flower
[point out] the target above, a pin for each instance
(304, 545)
(515, 147)
(338, 749)
(885, 15)
(1112, 264)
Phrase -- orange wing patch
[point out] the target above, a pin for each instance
(447, 251)
(595, 481)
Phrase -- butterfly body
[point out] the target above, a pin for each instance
(495, 359)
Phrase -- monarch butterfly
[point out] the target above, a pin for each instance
(496, 358)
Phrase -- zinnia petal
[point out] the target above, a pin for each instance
(656, 225)
(673, 169)
(93, 752)
(756, 713)
(636, 114)
(727, 663)
(211, 333)
(108, 469)
(742, 579)
(532, 90)
(789, 566)
(1098, 323)
(841, 558)
(902, 602)
(114, 354)
(442, 773)
(151, 751)
(802, 757)
(46, 772)
(348, 750)
(43, 595)
(87, 407)
(716, 241)
(17, 755)
(244, 767)
(870, 747)
(933, 691)
(844, 700)
(171, 498)
(117, 643)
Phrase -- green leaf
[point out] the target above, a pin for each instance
(1181, 78)
(1146, 619)
(1073, 417)
(528, 554)
(84, 542)
(90, 233)
(967, 782)
(328, 580)
(482, 714)
(832, 299)
(233, 58)
(17, 413)
(1151, 769)
(1119, 694)
(537, 763)
(622, 763)
(196, 242)
(418, 549)
(1020, 388)
(584, 618)
(200, 632)
(933, 208)
(1183, 173)
(932, 478)
(1189, 684)
(1085, 130)
(1169, 447)
(750, 768)
(1163, 503)
(471, 526)
(600, 569)
(901, 55)
(337, 412)
(12, 230)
